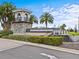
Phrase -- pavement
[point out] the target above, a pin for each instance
(11, 49)
(8, 44)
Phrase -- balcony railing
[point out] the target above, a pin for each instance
(22, 19)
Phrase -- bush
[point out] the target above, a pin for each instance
(10, 32)
(16, 37)
(1, 35)
(53, 40)
(4, 33)
(36, 39)
(46, 40)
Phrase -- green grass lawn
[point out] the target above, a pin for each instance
(74, 33)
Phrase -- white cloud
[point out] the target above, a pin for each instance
(47, 9)
(67, 14)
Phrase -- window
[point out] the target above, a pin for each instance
(26, 18)
(19, 17)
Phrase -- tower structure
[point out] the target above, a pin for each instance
(21, 22)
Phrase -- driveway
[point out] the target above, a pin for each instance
(24, 51)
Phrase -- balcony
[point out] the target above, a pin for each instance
(21, 19)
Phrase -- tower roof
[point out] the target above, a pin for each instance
(22, 10)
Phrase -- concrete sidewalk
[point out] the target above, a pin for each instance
(8, 44)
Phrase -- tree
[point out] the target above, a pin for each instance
(6, 15)
(70, 30)
(33, 19)
(62, 27)
(46, 18)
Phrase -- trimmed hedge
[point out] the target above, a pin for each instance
(53, 40)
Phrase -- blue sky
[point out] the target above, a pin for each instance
(58, 8)
(36, 5)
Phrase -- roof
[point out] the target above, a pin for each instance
(24, 10)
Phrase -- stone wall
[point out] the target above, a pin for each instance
(20, 27)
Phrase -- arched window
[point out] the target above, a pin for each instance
(19, 17)
(26, 18)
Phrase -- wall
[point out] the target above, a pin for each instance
(75, 38)
(53, 31)
(33, 34)
(20, 27)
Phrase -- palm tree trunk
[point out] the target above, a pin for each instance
(6, 26)
(46, 24)
(31, 24)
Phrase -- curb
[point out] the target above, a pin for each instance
(73, 51)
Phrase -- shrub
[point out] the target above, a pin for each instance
(46, 40)
(52, 40)
(1, 35)
(10, 32)
(16, 37)
(55, 40)
(36, 39)
(4, 33)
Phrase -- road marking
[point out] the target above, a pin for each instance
(50, 56)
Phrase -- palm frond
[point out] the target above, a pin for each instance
(33, 19)
(46, 18)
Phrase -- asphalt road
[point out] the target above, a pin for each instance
(31, 52)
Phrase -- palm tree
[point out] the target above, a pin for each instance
(33, 19)
(6, 15)
(46, 18)
(62, 27)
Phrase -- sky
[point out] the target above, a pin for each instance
(63, 11)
